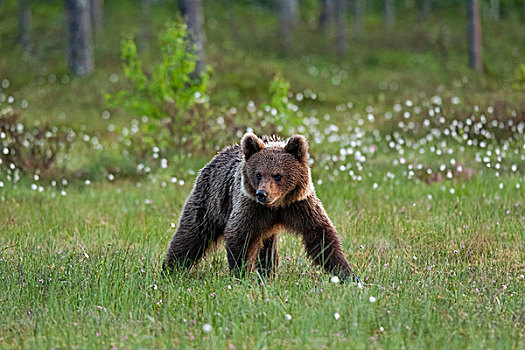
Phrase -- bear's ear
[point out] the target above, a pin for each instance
(251, 144)
(297, 147)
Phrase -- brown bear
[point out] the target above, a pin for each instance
(247, 194)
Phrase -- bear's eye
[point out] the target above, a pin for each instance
(258, 176)
(277, 177)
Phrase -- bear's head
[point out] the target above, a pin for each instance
(276, 173)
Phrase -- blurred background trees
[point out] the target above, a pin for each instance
(85, 18)
(340, 11)
(390, 12)
(95, 14)
(191, 11)
(288, 13)
(24, 24)
(80, 41)
(284, 27)
(474, 35)
(327, 9)
(145, 25)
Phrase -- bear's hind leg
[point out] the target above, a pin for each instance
(188, 245)
(268, 258)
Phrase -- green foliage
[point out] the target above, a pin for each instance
(172, 95)
(283, 113)
(279, 89)
(519, 78)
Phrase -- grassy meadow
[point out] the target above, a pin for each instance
(420, 164)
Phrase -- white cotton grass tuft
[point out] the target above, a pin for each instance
(207, 328)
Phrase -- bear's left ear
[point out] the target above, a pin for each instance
(251, 144)
(297, 147)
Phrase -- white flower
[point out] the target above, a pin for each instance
(335, 279)
(288, 317)
(336, 315)
(372, 299)
(207, 328)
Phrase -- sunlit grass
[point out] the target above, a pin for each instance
(82, 270)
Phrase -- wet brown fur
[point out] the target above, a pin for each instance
(223, 203)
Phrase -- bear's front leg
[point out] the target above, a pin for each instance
(309, 219)
(241, 252)
(248, 224)
(268, 258)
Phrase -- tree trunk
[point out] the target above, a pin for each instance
(80, 45)
(389, 13)
(442, 46)
(474, 35)
(359, 15)
(340, 15)
(289, 11)
(191, 11)
(24, 25)
(494, 10)
(232, 20)
(327, 9)
(145, 19)
(426, 8)
(96, 15)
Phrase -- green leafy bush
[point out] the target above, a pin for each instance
(172, 96)
(519, 78)
(283, 113)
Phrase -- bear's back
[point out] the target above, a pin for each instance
(213, 191)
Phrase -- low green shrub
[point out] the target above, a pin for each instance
(282, 113)
(519, 78)
(171, 96)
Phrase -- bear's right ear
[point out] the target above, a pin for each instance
(251, 144)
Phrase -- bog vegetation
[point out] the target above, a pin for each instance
(419, 161)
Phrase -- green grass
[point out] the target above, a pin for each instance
(444, 260)
(82, 270)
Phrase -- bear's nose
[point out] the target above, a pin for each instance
(261, 195)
